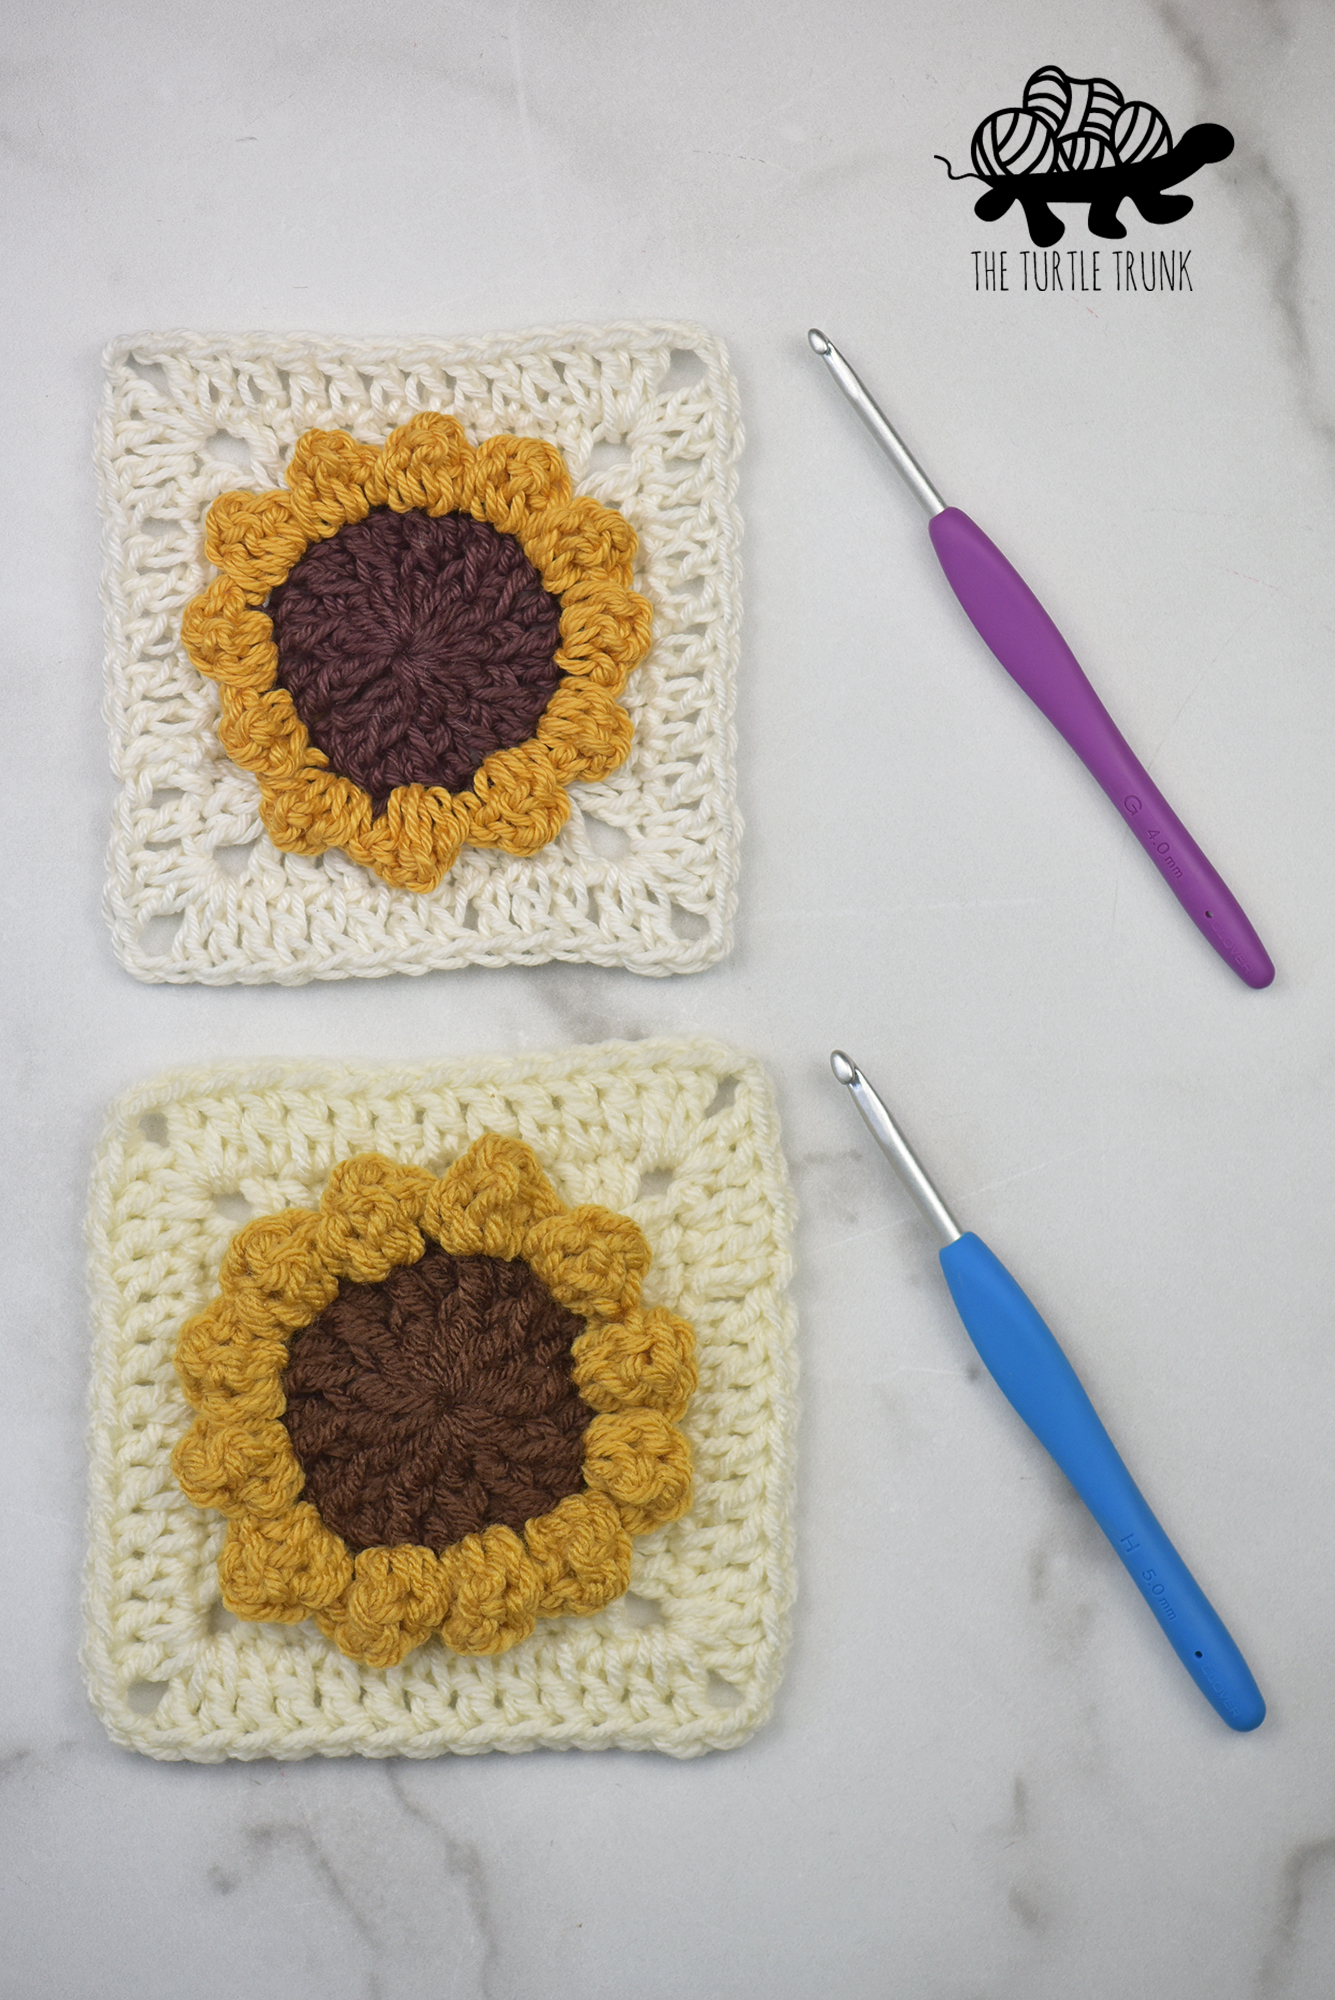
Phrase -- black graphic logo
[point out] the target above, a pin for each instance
(1077, 139)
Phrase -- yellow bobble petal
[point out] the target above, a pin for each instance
(487, 1200)
(228, 640)
(408, 1188)
(253, 539)
(395, 1601)
(427, 463)
(580, 542)
(237, 1378)
(368, 1218)
(416, 840)
(514, 480)
(283, 1570)
(642, 1461)
(584, 731)
(238, 1466)
(645, 1360)
(314, 809)
(520, 801)
(221, 1350)
(604, 626)
(272, 1270)
(494, 1590)
(327, 474)
(583, 1553)
(590, 1260)
(261, 731)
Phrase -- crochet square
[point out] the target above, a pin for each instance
(642, 874)
(681, 1136)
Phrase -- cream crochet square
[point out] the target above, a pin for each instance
(643, 874)
(682, 1136)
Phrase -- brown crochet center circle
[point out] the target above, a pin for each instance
(413, 645)
(437, 1402)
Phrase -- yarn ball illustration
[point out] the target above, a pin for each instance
(1014, 142)
(1084, 151)
(1140, 133)
(1048, 94)
(1076, 139)
(1071, 104)
(1102, 102)
(1069, 124)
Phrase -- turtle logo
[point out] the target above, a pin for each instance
(1077, 139)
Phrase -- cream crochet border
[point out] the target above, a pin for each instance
(680, 1134)
(643, 874)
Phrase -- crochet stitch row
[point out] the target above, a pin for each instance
(583, 553)
(281, 1560)
(678, 1135)
(642, 873)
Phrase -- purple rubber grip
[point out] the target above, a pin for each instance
(1034, 654)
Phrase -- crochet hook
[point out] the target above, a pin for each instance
(1031, 649)
(1024, 1359)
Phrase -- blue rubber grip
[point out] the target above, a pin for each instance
(1023, 1356)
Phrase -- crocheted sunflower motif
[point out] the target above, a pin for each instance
(419, 646)
(434, 1406)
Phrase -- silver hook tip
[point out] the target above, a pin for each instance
(896, 1147)
(823, 347)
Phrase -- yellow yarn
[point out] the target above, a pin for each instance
(644, 1360)
(590, 1259)
(635, 1367)
(396, 1599)
(285, 1570)
(640, 1460)
(368, 1218)
(583, 1551)
(585, 556)
(241, 1465)
(495, 1588)
(487, 1200)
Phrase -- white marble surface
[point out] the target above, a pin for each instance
(987, 1779)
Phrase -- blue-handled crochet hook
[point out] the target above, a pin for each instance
(1024, 1359)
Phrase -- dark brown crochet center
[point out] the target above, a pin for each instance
(413, 645)
(437, 1402)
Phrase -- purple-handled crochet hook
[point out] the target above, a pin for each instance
(1033, 652)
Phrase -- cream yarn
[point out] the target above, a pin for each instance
(679, 1134)
(643, 874)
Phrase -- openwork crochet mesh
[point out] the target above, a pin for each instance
(681, 1136)
(642, 875)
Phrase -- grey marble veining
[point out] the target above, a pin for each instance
(1299, 1955)
(1245, 57)
(987, 1778)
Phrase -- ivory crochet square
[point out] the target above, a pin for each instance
(682, 1136)
(642, 875)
